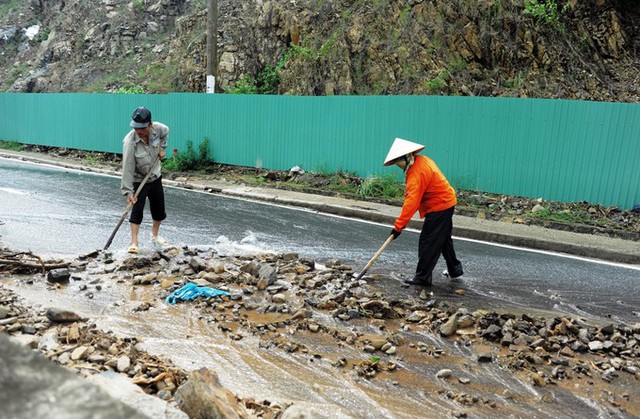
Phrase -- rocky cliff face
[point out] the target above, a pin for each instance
(532, 48)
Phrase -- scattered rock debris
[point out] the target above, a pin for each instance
(282, 299)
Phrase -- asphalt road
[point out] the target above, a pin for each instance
(58, 212)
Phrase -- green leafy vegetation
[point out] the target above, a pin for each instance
(246, 85)
(253, 180)
(190, 159)
(341, 182)
(269, 79)
(157, 79)
(546, 213)
(42, 35)
(347, 13)
(381, 187)
(92, 158)
(562, 216)
(10, 145)
(138, 6)
(405, 14)
(266, 83)
(515, 82)
(322, 180)
(584, 43)
(160, 78)
(16, 72)
(437, 84)
(10, 5)
(496, 6)
(545, 11)
(303, 51)
(111, 78)
(329, 46)
(457, 63)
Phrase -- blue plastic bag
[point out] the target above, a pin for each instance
(191, 291)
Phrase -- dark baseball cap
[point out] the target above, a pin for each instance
(140, 118)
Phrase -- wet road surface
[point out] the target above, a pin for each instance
(60, 212)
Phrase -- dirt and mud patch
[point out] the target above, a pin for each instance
(291, 321)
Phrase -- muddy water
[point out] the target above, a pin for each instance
(191, 340)
(60, 212)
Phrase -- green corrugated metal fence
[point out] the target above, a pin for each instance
(554, 149)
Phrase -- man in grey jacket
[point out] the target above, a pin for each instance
(142, 149)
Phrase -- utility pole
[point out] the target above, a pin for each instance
(212, 45)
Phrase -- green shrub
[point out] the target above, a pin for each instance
(266, 83)
(437, 84)
(303, 52)
(190, 159)
(269, 79)
(245, 86)
(10, 145)
(42, 35)
(138, 5)
(386, 187)
(15, 74)
(545, 11)
(92, 159)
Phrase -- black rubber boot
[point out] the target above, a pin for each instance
(419, 281)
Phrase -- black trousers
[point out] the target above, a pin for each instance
(155, 193)
(435, 239)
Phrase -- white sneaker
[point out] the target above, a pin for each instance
(457, 273)
(159, 241)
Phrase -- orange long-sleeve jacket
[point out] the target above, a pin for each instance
(427, 190)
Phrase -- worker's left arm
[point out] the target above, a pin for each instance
(163, 136)
(412, 196)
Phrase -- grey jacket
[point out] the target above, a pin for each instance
(138, 156)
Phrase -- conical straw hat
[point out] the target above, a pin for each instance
(401, 148)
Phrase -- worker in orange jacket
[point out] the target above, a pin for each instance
(427, 191)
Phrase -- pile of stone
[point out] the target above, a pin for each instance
(77, 344)
(287, 284)
(62, 336)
